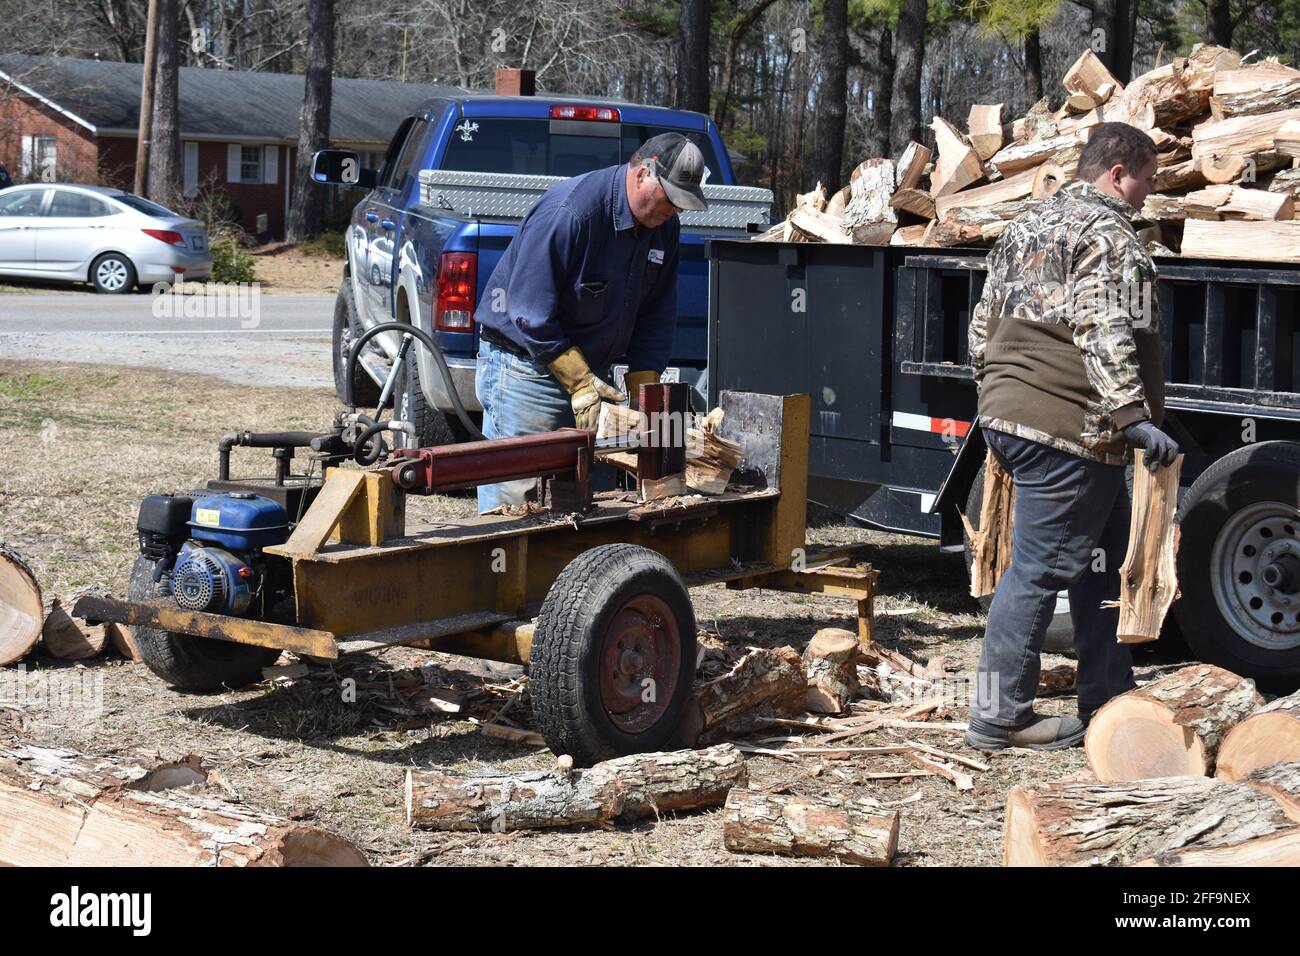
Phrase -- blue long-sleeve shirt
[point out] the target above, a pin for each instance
(580, 272)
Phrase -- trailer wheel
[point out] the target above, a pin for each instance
(613, 654)
(1239, 563)
(192, 663)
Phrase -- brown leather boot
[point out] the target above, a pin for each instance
(1041, 733)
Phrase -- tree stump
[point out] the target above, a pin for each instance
(831, 659)
(625, 788)
(1171, 821)
(22, 612)
(1268, 736)
(58, 808)
(1169, 727)
(853, 831)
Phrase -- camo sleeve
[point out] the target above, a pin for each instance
(990, 303)
(1113, 292)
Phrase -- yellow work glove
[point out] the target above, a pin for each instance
(633, 381)
(586, 391)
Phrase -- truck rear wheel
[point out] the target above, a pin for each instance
(192, 663)
(346, 329)
(613, 654)
(1239, 564)
(432, 427)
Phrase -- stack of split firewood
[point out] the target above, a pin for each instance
(1226, 130)
(1192, 768)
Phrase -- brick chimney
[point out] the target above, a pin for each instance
(516, 83)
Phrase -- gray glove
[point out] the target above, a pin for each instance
(1160, 448)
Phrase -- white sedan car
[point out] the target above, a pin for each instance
(95, 234)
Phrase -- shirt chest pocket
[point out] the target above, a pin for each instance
(592, 301)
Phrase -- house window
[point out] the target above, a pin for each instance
(250, 164)
(40, 158)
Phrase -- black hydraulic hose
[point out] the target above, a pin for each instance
(429, 342)
(359, 452)
(258, 440)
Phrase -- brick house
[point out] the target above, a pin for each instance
(70, 120)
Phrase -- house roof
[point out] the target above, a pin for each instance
(104, 97)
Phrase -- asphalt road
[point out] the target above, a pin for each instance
(262, 340)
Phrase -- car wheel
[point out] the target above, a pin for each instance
(346, 329)
(112, 274)
(432, 427)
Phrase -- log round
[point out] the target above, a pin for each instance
(855, 832)
(1269, 736)
(831, 659)
(1170, 727)
(22, 612)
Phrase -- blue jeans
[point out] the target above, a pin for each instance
(1070, 533)
(519, 397)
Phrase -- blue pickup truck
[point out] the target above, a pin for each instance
(458, 177)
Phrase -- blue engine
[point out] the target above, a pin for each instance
(219, 570)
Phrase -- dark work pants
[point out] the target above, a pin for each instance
(1067, 508)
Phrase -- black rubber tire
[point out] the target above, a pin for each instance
(192, 663)
(432, 427)
(127, 287)
(365, 393)
(564, 680)
(1268, 471)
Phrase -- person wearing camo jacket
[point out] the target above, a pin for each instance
(1065, 344)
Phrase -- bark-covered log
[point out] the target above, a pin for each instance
(626, 788)
(1171, 821)
(1270, 735)
(58, 808)
(831, 659)
(764, 683)
(22, 612)
(1173, 725)
(853, 831)
(1281, 781)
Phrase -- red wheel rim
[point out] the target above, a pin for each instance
(640, 658)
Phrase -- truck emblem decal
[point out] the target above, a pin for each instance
(467, 130)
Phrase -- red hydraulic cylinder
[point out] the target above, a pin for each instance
(428, 471)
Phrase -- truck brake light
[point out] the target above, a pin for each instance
(604, 114)
(457, 291)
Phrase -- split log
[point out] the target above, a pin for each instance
(869, 218)
(1254, 77)
(1257, 204)
(908, 236)
(990, 545)
(58, 808)
(816, 199)
(831, 661)
(1268, 736)
(1219, 144)
(1285, 181)
(818, 225)
(1205, 203)
(1173, 725)
(911, 166)
(1242, 240)
(836, 205)
(984, 126)
(1287, 139)
(1048, 178)
(123, 641)
(951, 232)
(1161, 208)
(916, 201)
(1173, 821)
(1017, 186)
(873, 655)
(763, 684)
(958, 165)
(1149, 575)
(774, 234)
(1178, 176)
(1089, 82)
(855, 831)
(709, 471)
(22, 610)
(622, 789)
(1270, 98)
(68, 639)
(1081, 121)
(1021, 156)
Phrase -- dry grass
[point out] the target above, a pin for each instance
(81, 444)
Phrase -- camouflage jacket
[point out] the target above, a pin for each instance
(1065, 341)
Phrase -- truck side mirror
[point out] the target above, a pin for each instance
(341, 167)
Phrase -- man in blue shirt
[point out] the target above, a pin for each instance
(591, 277)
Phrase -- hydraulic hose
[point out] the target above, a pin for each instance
(429, 342)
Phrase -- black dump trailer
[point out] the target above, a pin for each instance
(877, 336)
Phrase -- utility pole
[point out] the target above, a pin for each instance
(146, 101)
